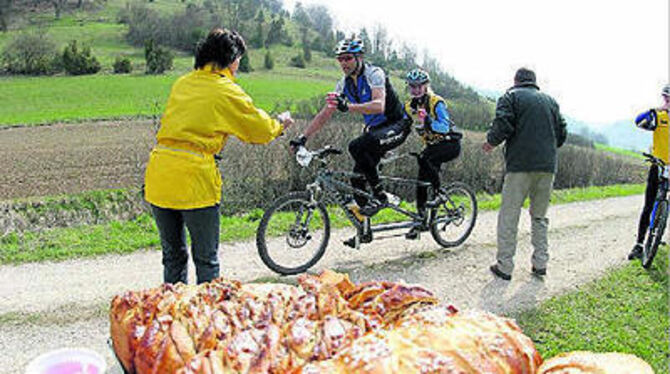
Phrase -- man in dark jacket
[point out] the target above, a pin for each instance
(531, 125)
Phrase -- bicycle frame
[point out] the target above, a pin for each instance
(662, 195)
(327, 181)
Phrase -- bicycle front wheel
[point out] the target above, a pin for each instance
(454, 218)
(293, 233)
(655, 234)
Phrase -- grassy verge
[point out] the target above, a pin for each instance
(571, 195)
(627, 311)
(141, 233)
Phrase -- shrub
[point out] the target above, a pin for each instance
(30, 53)
(122, 65)
(269, 61)
(298, 61)
(245, 67)
(272, 171)
(158, 59)
(579, 140)
(76, 62)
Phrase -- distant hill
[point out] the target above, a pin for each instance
(624, 134)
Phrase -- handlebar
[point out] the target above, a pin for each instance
(304, 156)
(653, 159)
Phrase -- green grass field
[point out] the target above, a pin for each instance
(626, 311)
(141, 233)
(37, 100)
(619, 151)
(46, 99)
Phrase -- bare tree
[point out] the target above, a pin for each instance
(408, 55)
(381, 42)
(5, 10)
(59, 5)
(320, 19)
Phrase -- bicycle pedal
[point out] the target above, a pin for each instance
(413, 235)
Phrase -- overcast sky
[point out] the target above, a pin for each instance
(602, 60)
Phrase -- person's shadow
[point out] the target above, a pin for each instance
(526, 296)
(492, 296)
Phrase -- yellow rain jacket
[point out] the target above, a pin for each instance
(204, 108)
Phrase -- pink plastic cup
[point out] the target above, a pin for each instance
(68, 361)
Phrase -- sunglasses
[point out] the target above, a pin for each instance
(345, 58)
(415, 85)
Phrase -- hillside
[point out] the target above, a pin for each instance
(116, 29)
(624, 134)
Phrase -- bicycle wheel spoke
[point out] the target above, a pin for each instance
(454, 219)
(293, 234)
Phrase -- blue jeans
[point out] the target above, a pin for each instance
(203, 228)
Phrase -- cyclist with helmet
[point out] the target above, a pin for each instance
(655, 120)
(430, 116)
(365, 89)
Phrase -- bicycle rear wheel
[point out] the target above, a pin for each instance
(293, 233)
(455, 217)
(655, 234)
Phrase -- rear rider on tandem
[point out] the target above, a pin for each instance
(429, 114)
(365, 89)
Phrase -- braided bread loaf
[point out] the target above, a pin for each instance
(580, 362)
(250, 327)
(437, 340)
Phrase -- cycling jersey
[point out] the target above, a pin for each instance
(360, 92)
(660, 147)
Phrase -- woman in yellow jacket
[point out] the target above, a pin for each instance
(182, 182)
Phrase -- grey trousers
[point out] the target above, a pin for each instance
(516, 187)
(203, 228)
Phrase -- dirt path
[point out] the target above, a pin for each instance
(51, 305)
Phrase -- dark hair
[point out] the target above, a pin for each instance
(524, 75)
(221, 46)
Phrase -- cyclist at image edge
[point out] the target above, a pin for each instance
(365, 89)
(430, 116)
(655, 120)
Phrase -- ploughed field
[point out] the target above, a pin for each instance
(71, 158)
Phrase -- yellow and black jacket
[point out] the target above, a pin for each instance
(660, 147)
(204, 108)
(429, 103)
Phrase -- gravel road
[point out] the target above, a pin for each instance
(51, 305)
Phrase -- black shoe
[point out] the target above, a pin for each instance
(413, 234)
(365, 238)
(414, 231)
(539, 272)
(636, 252)
(498, 273)
(373, 206)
